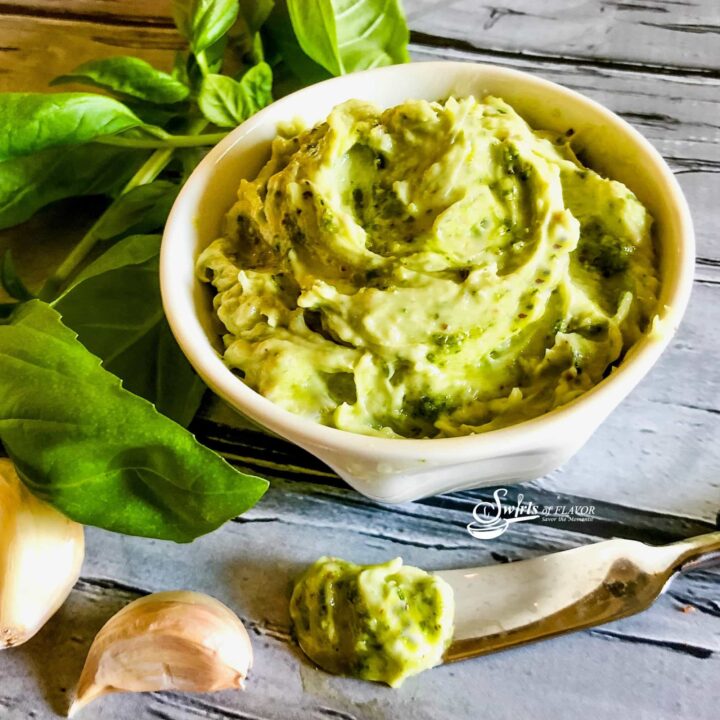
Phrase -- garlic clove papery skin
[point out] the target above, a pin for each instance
(41, 553)
(179, 640)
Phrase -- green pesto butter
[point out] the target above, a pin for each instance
(430, 270)
(376, 622)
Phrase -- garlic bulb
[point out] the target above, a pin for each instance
(178, 640)
(41, 552)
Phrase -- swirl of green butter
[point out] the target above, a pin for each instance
(430, 270)
(376, 622)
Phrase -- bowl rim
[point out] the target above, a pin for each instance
(542, 429)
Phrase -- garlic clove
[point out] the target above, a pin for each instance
(177, 640)
(41, 552)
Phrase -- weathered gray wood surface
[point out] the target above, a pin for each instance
(651, 471)
(650, 34)
(659, 665)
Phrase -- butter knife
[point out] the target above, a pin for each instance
(500, 606)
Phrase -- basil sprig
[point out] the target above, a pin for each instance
(94, 391)
(98, 453)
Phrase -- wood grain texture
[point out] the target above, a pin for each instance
(649, 34)
(683, 34)
(35, 50)
(125, 12)
(250, 565)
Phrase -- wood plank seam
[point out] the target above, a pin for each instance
(100, 18)
(425, 41)
(420, 39)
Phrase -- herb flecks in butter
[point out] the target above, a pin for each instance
(376, 622)
(445, 260)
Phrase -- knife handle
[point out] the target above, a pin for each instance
(699, 552)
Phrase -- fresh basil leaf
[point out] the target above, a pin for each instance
(220, 101)
(204, 22)
(10, 280)
(257, 53)
(30, 182)
(141, 210)
(128, 76)
(244, 38)
(180, 67)
(154, 368)
(348, 35)
(132, 250)
(227, 102)
(34, 121)
(316, 31)
(215, 54)
(115, 307)
(255, 13)
(292, 68)
(98, 453)
(159, 115)
(214, 57)
(177, 390)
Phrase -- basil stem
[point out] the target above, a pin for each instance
(166, 141)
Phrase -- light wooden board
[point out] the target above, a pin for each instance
(121, 12)
(651, 471)
(34, 51)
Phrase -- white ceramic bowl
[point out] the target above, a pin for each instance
(396, 470)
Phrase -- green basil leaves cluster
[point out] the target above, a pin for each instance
(227, 102)
(94, 450)
(130, 77)
(95, 394)
(348, 35)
